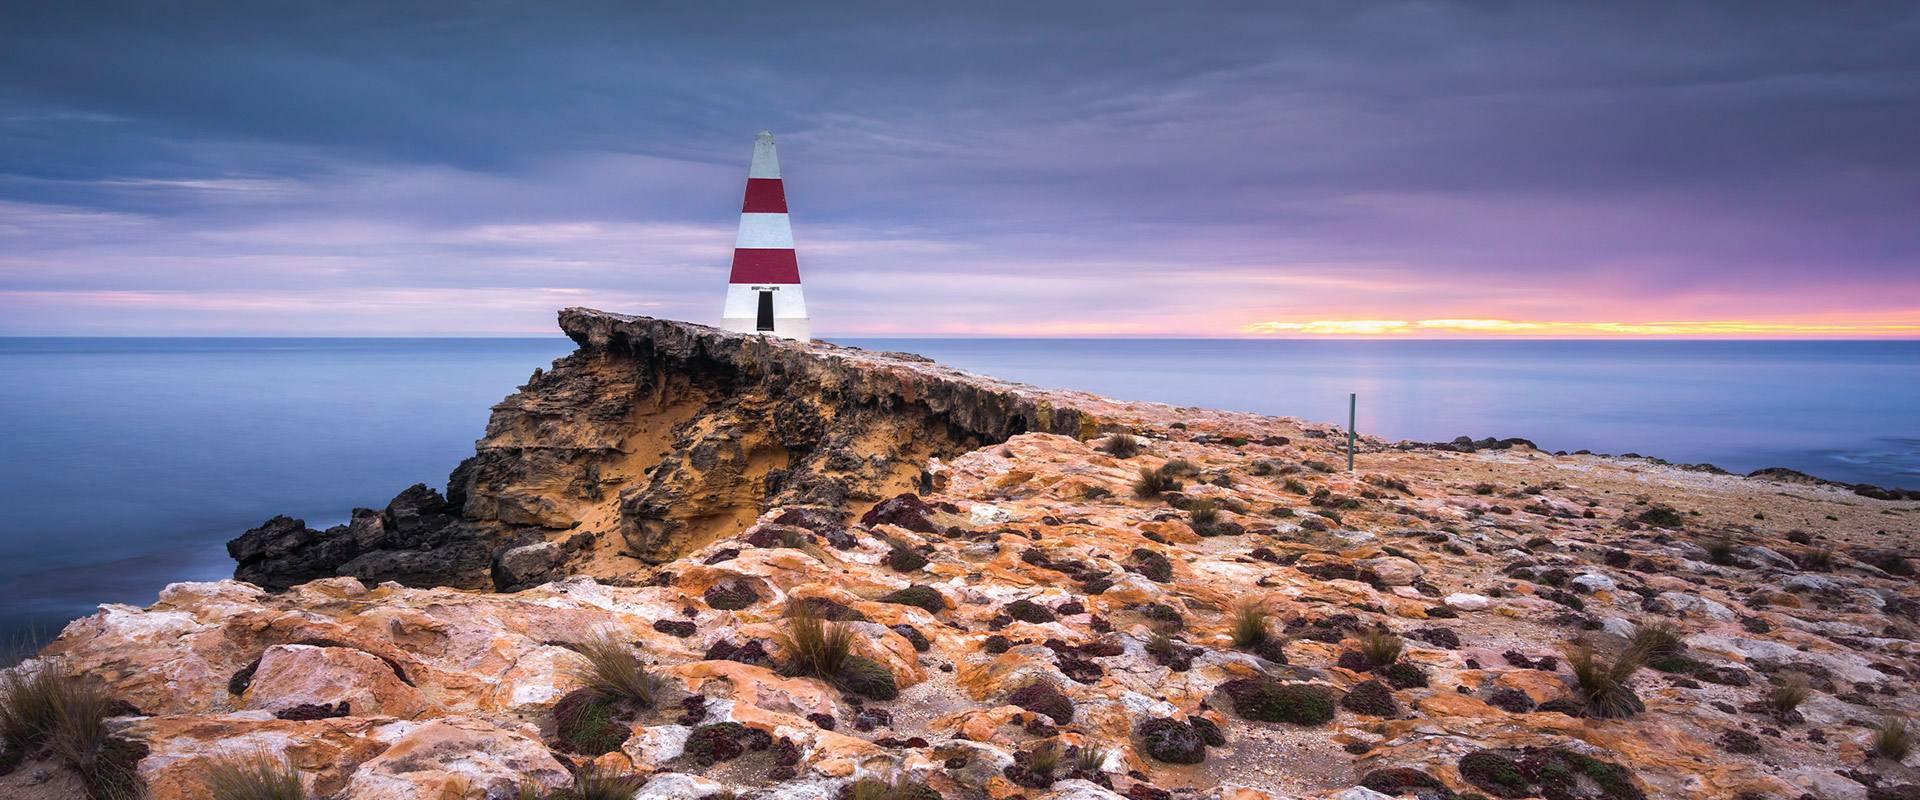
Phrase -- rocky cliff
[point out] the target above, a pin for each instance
(1189, 604)
(654, 438)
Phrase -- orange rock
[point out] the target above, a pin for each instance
(456, 756)
(292, 675)
(1539, 686)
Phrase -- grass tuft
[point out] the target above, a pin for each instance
(256, 776)
(1122, 446)
(1891, 740)
(31, 703)
(1180, 468)
(613, 670)
(898, 788)
(1380, 646)
(1043, 759)
(1662, 645)
(1720, 551)
(599, 783)
(1160, 644)
(1818, 559)
(818, 647)
(1787, 695)
(1090, 759)
(1602, 685)
(1153, 483)
(1249, 624)
(1203, 513)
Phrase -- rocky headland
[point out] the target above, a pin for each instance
(1033, 593)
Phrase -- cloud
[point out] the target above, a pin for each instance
(1026, 168)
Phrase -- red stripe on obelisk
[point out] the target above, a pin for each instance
(764, 196)
(764, 265)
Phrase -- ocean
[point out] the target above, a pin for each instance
(126, 464)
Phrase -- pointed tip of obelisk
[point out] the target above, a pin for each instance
(765, 163)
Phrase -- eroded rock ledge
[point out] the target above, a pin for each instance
(655, 437)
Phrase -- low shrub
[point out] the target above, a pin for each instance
(1405, 780)
(710, 744)
(869, 678)
(902, 559)
(1180, 468)
(1043, 699)
(1371, 698)
(925, 597)
(1402, 675)
(1171, 741)
(1029, 611)
(1152, 565)
(1268, 700)
(731, 595)
(1661, 517)
(1495, 773)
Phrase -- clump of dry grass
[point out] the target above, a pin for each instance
(45, 705)
(1160, 644)
(1662, 646)
(1121, 446)
(1090, 758)
(1043, 759)
(820, 648)
(1153, 483)
(1380, 646)
(255, 776)
(1248, 624)
(1891, 740)
(1180, 468)
(1819, 559)
(31, 703)
(1787, 695)
(1203, 513)
(896, 788)
(1602, 685)
(595, 782)
(614, 670)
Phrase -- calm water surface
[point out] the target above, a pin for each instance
(127, 463)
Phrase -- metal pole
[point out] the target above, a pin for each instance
(1353, 403)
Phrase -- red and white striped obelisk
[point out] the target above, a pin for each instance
(763, 296)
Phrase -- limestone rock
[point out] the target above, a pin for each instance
(290, 675)
(1468, 602)
(456, 756)
(1393, 570)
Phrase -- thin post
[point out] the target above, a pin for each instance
(1353, 404)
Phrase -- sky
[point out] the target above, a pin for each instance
(1414, 169)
